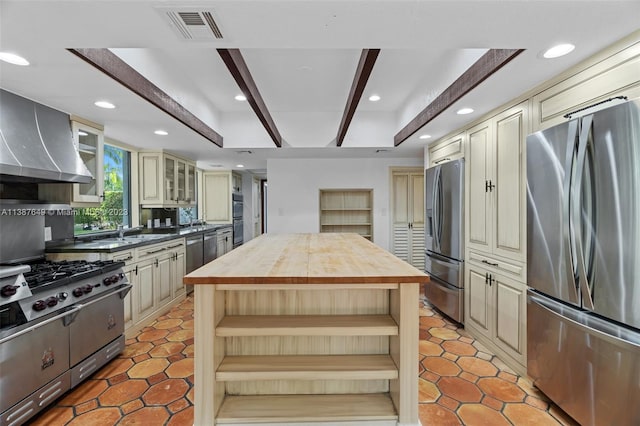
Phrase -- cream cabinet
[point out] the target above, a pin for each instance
(496, 309)
(449, 149)
(166, 180)
(89, 141)
(408, 216)
(217, 193)
(224, 241)
(178, 272)
(496, 184)
(347, 210)
(613, 75)
(155, 271)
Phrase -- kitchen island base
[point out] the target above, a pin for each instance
(317, 353)
(337, 364)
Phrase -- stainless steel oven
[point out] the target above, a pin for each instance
(61, 321)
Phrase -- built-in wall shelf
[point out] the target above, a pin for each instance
(347, 210)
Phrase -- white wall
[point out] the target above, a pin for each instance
(294, 185)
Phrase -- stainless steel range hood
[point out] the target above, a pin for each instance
(36, 143)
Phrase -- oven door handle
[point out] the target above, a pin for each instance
(122, 290)
(71, 311)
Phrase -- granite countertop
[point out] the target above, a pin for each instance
(114, 244)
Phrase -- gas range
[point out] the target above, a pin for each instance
(44, 287)
(59, 323)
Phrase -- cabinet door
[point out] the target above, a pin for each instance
(416, 189)
(170, 178)
(146, 291)
(217, 197)
(164, 278)
(478, 164)
(90, 145)
(479, 300)
(130, 314)
(191, 184)
(510, 326)
(408, 216)
(447, 150)
(151, 186)
(509, 193)
(181, 181)
(178, 273)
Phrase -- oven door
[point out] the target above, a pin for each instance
(32, 356)
(99, 322)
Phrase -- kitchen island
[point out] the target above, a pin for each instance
(315, 329)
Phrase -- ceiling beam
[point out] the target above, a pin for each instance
(234, 61)
(484, 67)
(110, 64)
(365, 66)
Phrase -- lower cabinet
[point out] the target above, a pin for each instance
(130, 315)
(164, 278)
(225, 241)
(146, 288)
(496, 313)
(178, 271)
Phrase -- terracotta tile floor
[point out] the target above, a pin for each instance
(151, 382)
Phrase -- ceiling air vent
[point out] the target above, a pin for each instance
(193, 24)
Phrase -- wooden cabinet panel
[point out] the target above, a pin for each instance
(217, 197)
(178, 273)
(146, 292)
(510, 307)
(496, 313)
(407, 196)
(447, 150)
(478, 172)
(478, 300)
(510, 188)
(496, 188)
(166, 180)
(164, 278)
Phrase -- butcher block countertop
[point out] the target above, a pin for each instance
(307, 259)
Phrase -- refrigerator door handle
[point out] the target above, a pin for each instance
(567, 227)
(434, 192)
(576, 205)
(441, 259)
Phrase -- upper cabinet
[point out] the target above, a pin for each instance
(166, 180)
(446, 150)
(89, 141)
(496, 184)
(217, 193)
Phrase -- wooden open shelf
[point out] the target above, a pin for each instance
(306, 408)
(307, 367)
(307, 325)
(346, 210)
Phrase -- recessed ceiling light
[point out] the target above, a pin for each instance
(161, 132)
(240, 98)
(239, 166)
(14, 59)
(463, 111)
(81, 133)
(104, 104)
(374, 98)
(558, 50)
(425, 136)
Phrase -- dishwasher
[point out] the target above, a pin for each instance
(193, 256)
(210, 248)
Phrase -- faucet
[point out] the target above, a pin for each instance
(121, 232)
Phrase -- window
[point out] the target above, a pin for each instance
(115, 208)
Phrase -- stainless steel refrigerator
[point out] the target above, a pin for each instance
(444, 237)
(583, 270)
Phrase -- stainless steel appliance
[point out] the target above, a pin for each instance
(37, 143)
(194, 252)
(444, 237)
(60, 322)
(210, 248)
(583, 305)
(238, 228)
